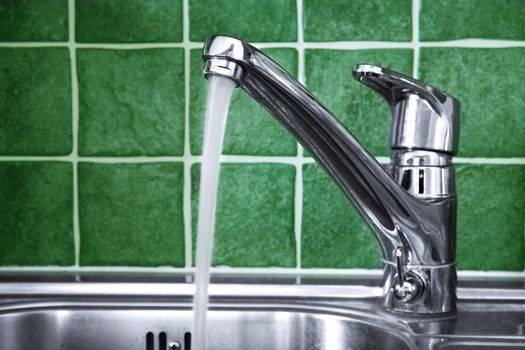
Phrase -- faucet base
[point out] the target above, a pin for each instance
(439, 295)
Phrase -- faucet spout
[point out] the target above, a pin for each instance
(412, 207)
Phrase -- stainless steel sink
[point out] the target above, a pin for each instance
(87, 313)
(110, 326)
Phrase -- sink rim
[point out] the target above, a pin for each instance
(356, 299)
(323, 314)
(138, 289)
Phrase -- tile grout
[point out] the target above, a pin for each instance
(298, 193)
(187, 158)
(416, 5)
(482, 160)
(232, 158)
(342, 45)
(75, 128)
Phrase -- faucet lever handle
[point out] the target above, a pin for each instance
(423, 117)
(410, 286)
(399, 263)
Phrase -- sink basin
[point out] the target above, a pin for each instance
(134, 313)
(111, 326)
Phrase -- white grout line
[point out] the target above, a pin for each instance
(112, 46)
(294, 160)
(187, 158)
(362, 45)
(502, 161)
(68, 158)
(332, 45)
(231, 158)
(75, 121)
(298, 199)
(139, 159)
(135, 46)
(35, 44)
(475, 43)
(383, 160)
(215, 270)
(416, 5)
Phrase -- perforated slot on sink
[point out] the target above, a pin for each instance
(187, 341)
(163, 342)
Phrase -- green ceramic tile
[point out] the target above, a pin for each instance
(131, 214)
(131, 102)
(343, 20)
(333, 233)
(255, 215)
(364, 112)
(489, 86)
(491, 217)
(34, 20)
(250, 129)
(463, 19)
(35, 101)
(251, 20)
(36, 212)
(125, 21)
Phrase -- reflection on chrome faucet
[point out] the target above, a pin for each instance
(412, 208)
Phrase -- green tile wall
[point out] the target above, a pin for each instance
(491, 207)
(128, 21)
(340, 20)
(466, 19)
(35, 95)
(131, 102)
(101, 118)
(131, 214)
(36, 212)
(253, 20)
(34, 20)
(255, 215)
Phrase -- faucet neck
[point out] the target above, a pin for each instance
(403, 209)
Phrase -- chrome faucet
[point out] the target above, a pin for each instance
(411, 208)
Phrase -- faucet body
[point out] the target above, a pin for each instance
(411, 207)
